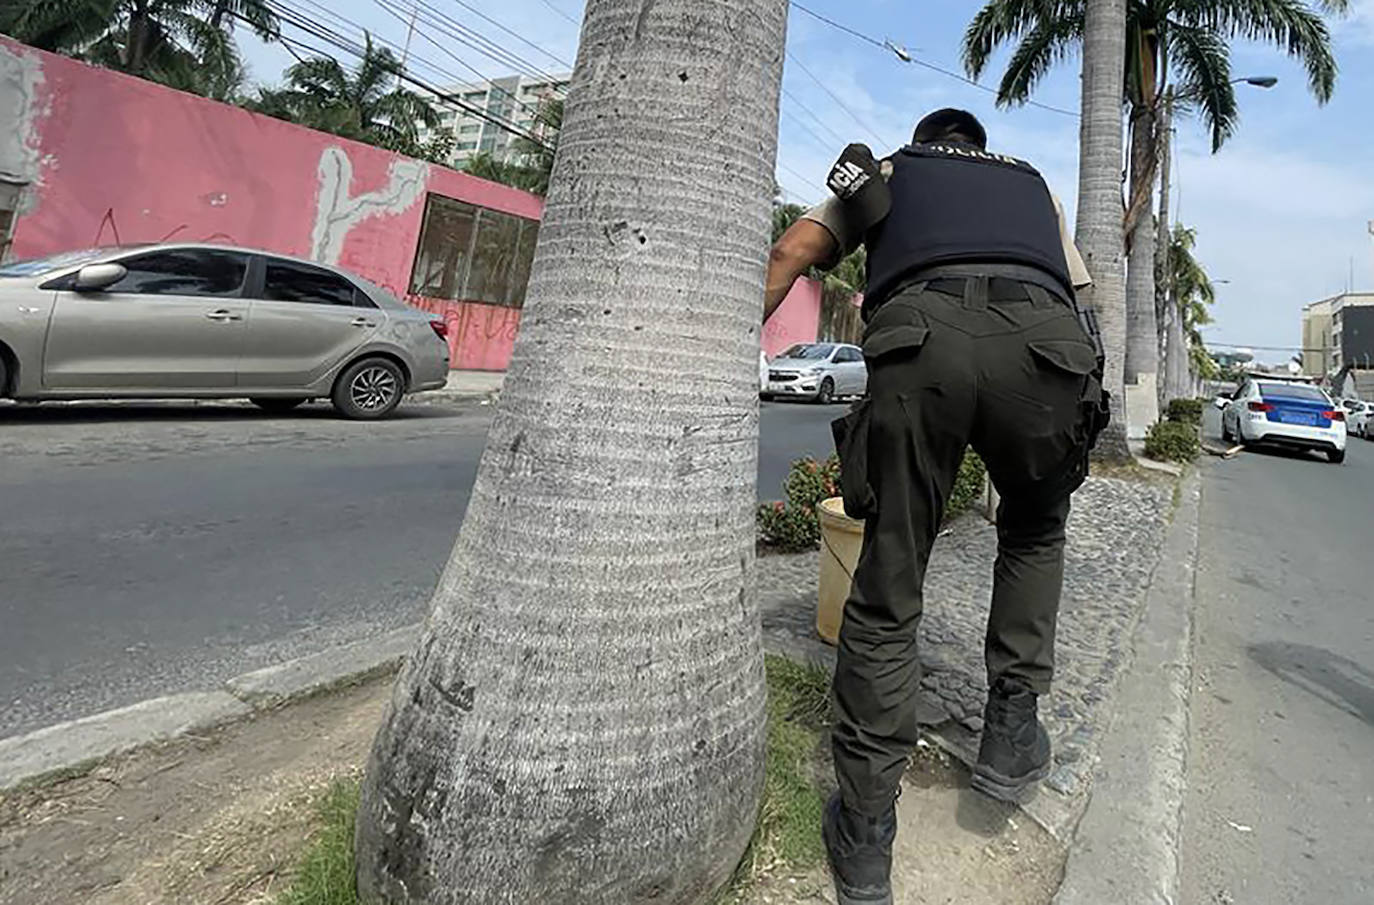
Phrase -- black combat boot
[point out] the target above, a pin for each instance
(1015, 751)
(860, 853)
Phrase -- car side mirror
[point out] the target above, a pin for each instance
(99, 277)
(1221, 402)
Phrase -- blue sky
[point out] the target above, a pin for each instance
(1281, 211)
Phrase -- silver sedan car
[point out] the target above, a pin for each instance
(819, 371)
(208, 321)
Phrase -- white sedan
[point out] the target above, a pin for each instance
(1286, 414)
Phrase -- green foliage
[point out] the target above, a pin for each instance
(786, 835)
(794, 522)
(326, 875)
(366, 103)
(1189, 42)
(184, 44)
(530, 165)
(968, 485)
(1185, 411)
(1172, 441)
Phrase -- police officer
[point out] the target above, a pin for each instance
(973, 336)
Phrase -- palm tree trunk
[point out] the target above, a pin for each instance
(583, 719)
(136, 41)
(1099, 227)
(1164, 312)
(1142, 336)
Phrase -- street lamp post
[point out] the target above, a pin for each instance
(1166, 301)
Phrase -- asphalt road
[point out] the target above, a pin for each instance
(1281, 770)
(148, 550)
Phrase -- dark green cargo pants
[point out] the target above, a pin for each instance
(1004, 367)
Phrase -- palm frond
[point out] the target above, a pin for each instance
(1202, 60)
(1044, 45)
(1291, 25)
(1002, 21)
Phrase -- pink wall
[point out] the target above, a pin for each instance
(796, 319)
(114, 159)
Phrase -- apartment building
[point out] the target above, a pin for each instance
(513, 100)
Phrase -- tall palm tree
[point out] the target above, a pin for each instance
(180, 43)
(1098, 231)
(582, 721)
(365, 104)
(1191, 296)
(1183, 44)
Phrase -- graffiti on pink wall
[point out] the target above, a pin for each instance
(104, 158)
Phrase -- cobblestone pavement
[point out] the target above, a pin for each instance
(1115, 533)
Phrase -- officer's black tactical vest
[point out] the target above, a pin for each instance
(955, 204)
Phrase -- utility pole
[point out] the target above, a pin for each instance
(1166, 306)
(410, 36)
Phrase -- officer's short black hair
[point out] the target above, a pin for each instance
(951, 125)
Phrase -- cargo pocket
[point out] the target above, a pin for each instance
(1080, 359)
(898, 327)
(1076, 360)
(851, 445)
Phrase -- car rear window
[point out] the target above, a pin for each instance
(1293, 391)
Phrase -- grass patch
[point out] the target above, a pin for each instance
(787, 836)
(326, 875)
(788, 833)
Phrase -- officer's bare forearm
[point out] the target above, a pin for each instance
(806, 244)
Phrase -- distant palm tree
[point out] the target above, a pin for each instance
(364, 104)
(179, 43)
(1183, 43)
(1191, 296)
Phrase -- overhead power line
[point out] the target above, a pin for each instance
(292, 17)
(521, 38)
(906, 57)
(447, 51)
(834, 97)
(475, 40)
(561, 13)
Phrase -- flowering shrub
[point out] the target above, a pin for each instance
(794, 523)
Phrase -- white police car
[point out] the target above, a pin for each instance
(1287, 414)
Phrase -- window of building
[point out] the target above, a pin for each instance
(9, 212)
(470, 253)
(470, 129)
(465, 145)
(474, 95)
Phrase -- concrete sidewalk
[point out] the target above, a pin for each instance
(466, 385)
(1116, 532)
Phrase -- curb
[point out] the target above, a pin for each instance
(75, 746)
(1125, 848)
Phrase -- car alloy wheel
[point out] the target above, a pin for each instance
(373, 388)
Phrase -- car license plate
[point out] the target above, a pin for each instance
(1305, 418)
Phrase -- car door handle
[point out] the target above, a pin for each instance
(362, 322)
(223, 316)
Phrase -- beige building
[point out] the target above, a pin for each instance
(1316, 338)
(513, 100)
(1337, 330)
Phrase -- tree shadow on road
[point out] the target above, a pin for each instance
(1337, 680)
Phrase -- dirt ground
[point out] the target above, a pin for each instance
(953, 846)
(221, 820)
(218, 820)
